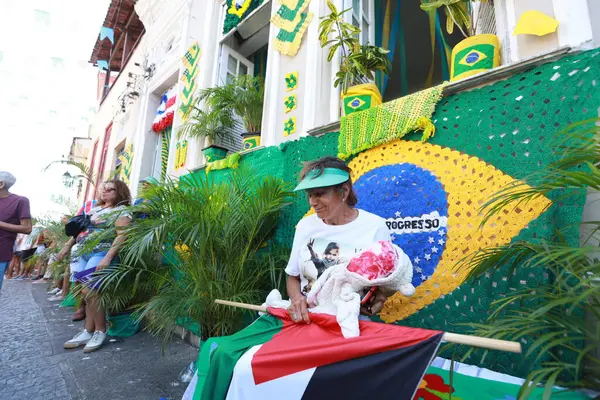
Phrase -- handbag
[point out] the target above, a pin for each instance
(76, 225)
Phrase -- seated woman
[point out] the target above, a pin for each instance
(337, 230)
(115, 197)
(333, 235)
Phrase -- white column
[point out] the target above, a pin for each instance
(314, 69)
(272, 88)
(574, 26)
(206, 15)
(511, 21)
(502, 31)
(185, 42)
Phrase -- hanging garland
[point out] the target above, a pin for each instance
(237, 10)
(166, 111)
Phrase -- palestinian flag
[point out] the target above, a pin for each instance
(276, 359)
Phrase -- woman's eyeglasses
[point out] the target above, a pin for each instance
(109, 189)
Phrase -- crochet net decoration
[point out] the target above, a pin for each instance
(392, 120)
(503, 130)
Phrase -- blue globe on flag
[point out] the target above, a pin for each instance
(415, 207)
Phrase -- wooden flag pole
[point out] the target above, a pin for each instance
(469, 340)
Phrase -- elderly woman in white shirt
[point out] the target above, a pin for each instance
(335, 233)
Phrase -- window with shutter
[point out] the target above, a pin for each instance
(231, 65)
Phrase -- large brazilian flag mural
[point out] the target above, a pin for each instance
(430, 193)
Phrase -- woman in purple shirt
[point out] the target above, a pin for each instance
(15, 218)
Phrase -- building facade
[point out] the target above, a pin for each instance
(134, 134)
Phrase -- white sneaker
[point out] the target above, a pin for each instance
(95, 342)
(79, 340)
(59, 293)
(54, 291)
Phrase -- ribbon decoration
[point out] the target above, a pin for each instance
(106, 32)
(102, 64)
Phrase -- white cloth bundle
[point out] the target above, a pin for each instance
(336, 291)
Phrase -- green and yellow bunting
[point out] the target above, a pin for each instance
(290, 103)
(190, 62)
(292, 4)
(288, 18)
(288, 41)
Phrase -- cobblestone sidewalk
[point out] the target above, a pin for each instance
(34, 365)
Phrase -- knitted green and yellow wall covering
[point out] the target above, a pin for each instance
(504, 131)
(392, 120)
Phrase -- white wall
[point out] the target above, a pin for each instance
(165, 22)
(205, 26)
(574, 29)
(178, 23)
(318, 102)
(594, 9)
(124, 125)
(199, 16)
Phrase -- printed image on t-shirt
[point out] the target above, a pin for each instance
(319, 254)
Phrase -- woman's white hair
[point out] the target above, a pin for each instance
(8, 179)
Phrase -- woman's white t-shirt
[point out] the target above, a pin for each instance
(318, 246)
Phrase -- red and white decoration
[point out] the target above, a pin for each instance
(166, 111)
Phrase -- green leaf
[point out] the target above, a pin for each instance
(332, 7)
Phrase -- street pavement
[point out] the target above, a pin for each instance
(34, 365)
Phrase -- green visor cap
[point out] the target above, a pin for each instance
(329, 177)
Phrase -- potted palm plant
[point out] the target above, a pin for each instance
(476, 53)
(359, 62)
(243, 96)
(248, 104)
(211, 119)
(210, 218)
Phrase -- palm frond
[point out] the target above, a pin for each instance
(550, 317)
(211, 233)
(86, 172)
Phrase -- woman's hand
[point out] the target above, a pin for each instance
(375, 305)
(298, 310)
(105, 262)
(62, 254)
